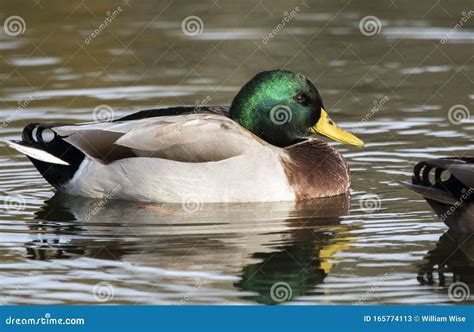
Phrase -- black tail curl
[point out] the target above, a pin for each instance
(423, 175)
(34, 135)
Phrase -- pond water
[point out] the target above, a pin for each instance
(393, 84)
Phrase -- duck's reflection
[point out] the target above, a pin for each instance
(264, 244)
(451, 261)
(458, 216)
(288, 272)
(453, 258)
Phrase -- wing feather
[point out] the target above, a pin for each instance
(186, 138)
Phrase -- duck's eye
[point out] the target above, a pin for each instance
(301, 99)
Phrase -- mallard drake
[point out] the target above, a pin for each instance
(447, 184)
(256, 150)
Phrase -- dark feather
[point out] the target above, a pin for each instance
(180, 110)
(451, 197)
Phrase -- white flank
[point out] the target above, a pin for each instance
(36, 153)
(256, 176)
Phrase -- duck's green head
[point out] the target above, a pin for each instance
(282, 107)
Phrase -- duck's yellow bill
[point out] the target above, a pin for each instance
(328, 128)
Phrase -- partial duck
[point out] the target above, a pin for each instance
(256, 150)
(447, 184)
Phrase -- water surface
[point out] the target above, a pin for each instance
(378, 245)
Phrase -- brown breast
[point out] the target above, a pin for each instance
(314, 169)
